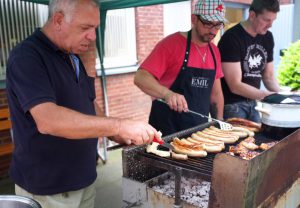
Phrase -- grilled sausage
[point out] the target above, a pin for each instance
(227, 140)
(209, 147)
(243, 129)
(152, 148)
(244, 122)
(218, 133)
(240, 134)
(179, 156)
(208, 141)
(191, 151)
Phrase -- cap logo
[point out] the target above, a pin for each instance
(220, 8)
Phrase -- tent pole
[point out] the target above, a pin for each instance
(104, 157)
(100, 48)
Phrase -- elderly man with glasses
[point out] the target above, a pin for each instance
(184, 71)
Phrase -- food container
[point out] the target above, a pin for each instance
(14, 201)
(280, 115)
(280, 110)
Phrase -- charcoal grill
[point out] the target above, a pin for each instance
(235, 182)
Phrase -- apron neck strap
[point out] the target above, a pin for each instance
(213, 55)
(187, 51)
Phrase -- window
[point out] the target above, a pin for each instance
(18, 19)
(120, 39)
(174, 22)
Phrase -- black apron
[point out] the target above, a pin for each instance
(196, 86)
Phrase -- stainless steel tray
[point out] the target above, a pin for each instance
(14, 201)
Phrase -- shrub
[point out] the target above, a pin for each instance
(289, 67)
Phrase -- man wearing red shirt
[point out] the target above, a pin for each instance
(184, 70)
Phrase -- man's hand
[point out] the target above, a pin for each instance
(176, 101)
(266, 93)
(135, 132)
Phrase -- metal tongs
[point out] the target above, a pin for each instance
(223, 125)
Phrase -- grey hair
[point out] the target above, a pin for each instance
(66, 7)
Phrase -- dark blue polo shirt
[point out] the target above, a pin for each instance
(38, 72)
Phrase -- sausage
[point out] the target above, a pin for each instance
(206, 140)
(227, 140)
(243, 129)
(152, 148)
(221, 134)
(179, 156)
(249, 145)
(243, 122)
(191, 151)
(240, 134)
(210, 148)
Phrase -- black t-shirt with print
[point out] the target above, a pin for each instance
(236, 45)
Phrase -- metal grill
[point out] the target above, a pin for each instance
(203, 167)
(18, 19)
(264, 181)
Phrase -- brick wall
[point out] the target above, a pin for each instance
(3, 98)
(4, 135)
(5, 138)
(149, 28)
(125, 100)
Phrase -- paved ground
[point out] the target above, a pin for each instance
(109, 182)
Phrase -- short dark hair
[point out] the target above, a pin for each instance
(258, 6)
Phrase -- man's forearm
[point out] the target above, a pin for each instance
(217, 110)
(63, 122)
(148, 84)
(217, 101)
(272, 85)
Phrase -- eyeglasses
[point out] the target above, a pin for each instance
(210, 25)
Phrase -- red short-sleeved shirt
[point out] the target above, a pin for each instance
(166, 59)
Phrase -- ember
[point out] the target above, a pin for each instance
(193, 191)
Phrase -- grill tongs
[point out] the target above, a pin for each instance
(223, 125)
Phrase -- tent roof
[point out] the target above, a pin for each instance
(110, 5)
(114, 4)
(120, 4)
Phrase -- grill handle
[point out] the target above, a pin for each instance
(262, 110)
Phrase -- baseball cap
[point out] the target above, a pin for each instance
(210, 10)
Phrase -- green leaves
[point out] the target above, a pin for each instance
(289, 67)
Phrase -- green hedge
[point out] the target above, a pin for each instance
(289, 67)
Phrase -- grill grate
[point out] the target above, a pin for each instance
(201, 166)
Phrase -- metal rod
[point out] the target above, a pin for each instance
(12, 24)
(6, 37)
(9, 35)
(2, 40)
(105, 97)
(178, 172)
(16, 9)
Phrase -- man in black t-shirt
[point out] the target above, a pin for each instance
(247, 59)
